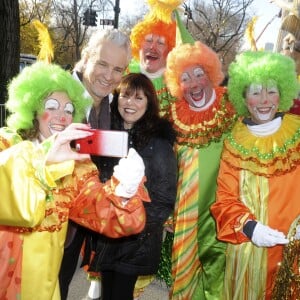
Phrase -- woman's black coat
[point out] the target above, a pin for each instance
(140, 254)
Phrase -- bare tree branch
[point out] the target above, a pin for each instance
(219, 24)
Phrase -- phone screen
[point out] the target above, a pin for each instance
(110, 143)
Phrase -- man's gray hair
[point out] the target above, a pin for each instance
(97, 39)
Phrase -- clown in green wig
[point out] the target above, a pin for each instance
(27, 91)
(262, 68)
(257, 196)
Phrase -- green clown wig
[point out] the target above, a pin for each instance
(260, 68)
(27, 91)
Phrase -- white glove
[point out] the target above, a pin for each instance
(297, 235)
(264, 236)
(129, 172)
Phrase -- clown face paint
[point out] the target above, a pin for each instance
(57, 114)
(196, 87)
(153, 53)
(262, 102)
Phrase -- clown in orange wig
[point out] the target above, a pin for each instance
(200, 53)
(152, 39)
(150, 26)
(202, 116)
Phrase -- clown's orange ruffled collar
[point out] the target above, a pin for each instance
(199, 129)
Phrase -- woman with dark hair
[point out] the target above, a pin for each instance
(120, 261)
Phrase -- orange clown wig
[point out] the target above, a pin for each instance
(186, 55)
(152, 26)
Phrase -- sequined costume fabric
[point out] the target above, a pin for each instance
(198, 258)
(259, 179)
(36, 202)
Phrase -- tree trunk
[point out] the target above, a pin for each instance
(9, 45)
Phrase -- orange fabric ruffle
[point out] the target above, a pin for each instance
(106, 213)
(198, 129)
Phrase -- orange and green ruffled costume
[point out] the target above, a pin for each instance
(198, 258)
(258, 179)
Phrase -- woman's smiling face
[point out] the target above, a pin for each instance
(57, 114)
(132, 105)
(262, 102)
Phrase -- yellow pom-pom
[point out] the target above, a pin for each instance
(162, 9)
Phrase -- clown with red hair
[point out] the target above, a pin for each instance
(151, 41)
(202, 116)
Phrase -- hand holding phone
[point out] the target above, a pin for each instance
(112, 143)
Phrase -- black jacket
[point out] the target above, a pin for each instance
(140, 254)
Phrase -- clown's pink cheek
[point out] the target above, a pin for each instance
(184, 87)
(204, 81)
(251, 101)
(45, 116)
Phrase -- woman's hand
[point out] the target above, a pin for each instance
(61, 149)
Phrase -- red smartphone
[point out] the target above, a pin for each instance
(112, 143)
